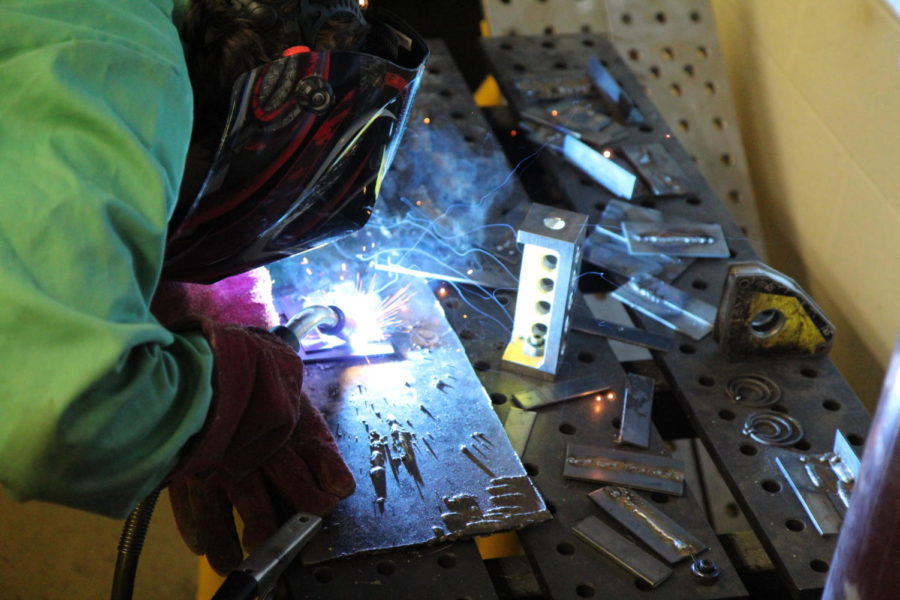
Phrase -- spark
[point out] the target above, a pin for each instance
(554, 113)
(309, 271)
(607, 153)
(304, 261)
(427, 120)
(513, 132)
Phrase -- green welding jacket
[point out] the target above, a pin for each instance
(96, 397)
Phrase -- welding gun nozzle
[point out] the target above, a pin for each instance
(328, 319)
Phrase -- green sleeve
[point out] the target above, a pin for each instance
(96, 398)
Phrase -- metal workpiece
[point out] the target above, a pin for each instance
(813, 391)
(622, 107)
(605, 171)
(431, 459)
(648, 523)
(612, 258)
(639, 470)
(668, 305)
(625, 334)
(637, 408)
(699, 240)
(551, 241)
(656, 167)
(823, 483)
(765, 313)
(623, 552)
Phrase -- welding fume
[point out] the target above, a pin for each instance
(162, 152)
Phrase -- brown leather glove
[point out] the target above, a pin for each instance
(263, 447)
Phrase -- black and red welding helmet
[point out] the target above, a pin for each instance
(307, 142)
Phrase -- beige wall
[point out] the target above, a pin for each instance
(817, 88)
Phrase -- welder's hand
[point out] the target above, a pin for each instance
(244, 299)
(263, 450)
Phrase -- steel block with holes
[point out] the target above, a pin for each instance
(551, 256)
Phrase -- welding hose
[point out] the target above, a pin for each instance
(329, 320)
(131, 542)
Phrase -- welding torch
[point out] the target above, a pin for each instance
(329, 320)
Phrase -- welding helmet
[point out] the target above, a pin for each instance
(306, 144)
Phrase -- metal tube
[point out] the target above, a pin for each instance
(866, 563)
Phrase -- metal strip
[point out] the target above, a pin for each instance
(668, 305)
(653, 527)
(542, 394)
(700, 240)
(613, 92)
(637, 406)
(610, 253)
(637, 562)
(620, 467)
(629, 335)
(607, 173)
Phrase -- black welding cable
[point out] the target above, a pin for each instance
(131, 542)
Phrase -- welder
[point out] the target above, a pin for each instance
(120, 370)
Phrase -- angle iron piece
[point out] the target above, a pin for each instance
(817, 505)
(670, 306)
(637, 406)
(551, 259)
(656, 167)
(699, 240)
(539, 394)
(765, 313)
(617, 179)
(623, 552)
(649, 472)
(663, 535)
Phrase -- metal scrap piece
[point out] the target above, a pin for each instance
(653, 527)
(518, 425)
(617, 97)
(542, 394)
(765, 313)
(632, 469)
(670, 306)
(621, 333)
(657, 168)
(820, 509)
(617, 212)
(637, 562)
(637, 406)
(604, 171)
(701, 240)
(612, 254)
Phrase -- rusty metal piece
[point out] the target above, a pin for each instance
(765, 313)
(551, 257)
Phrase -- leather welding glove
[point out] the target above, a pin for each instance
(264, 448)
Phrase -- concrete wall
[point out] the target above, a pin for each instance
(817, 88)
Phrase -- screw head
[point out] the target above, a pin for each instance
(705, 571)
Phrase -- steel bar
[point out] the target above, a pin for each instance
(652, 526)
(631, 469)
(614, 546)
